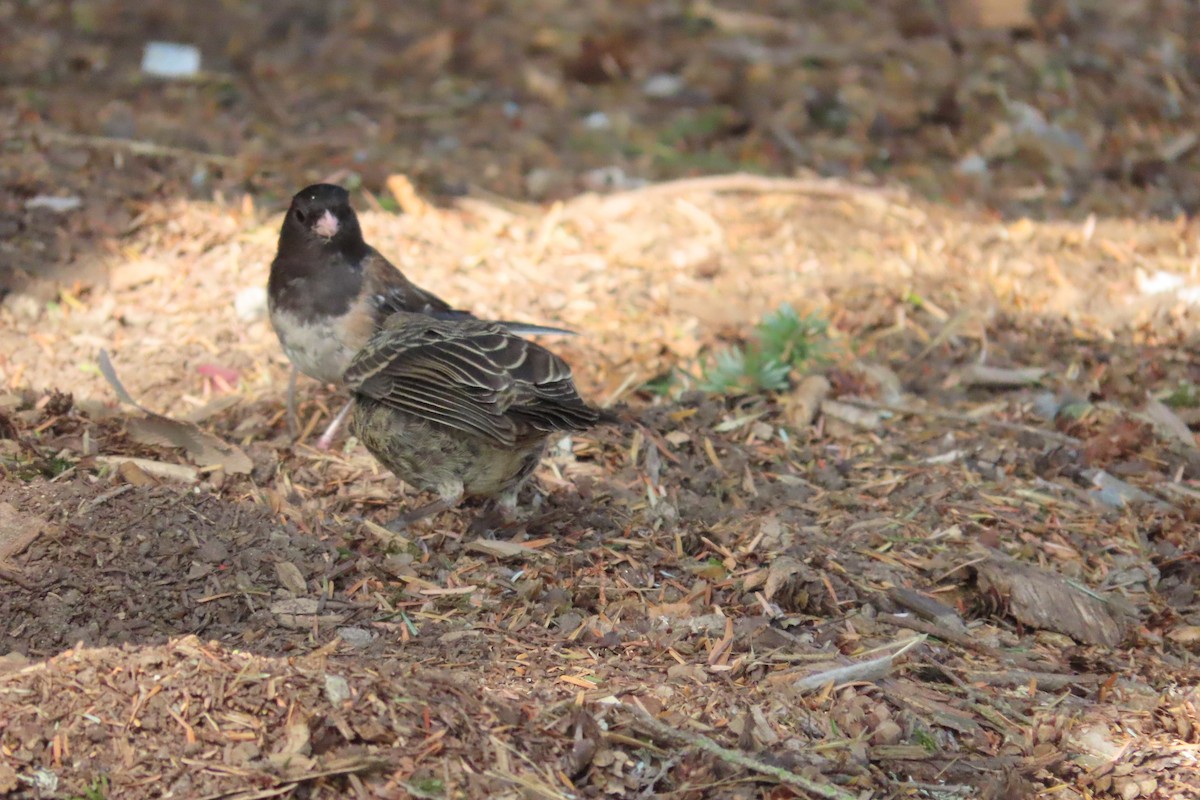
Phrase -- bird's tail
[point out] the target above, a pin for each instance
(621, 416)
(528, 329)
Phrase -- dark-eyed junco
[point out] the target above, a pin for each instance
(329, 291)
(461, 407)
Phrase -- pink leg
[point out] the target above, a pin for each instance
(327, 437)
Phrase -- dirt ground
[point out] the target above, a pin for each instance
(967, 566)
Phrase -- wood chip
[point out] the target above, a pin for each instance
(159, 469)
(502, 548)
(17, 530)
(1045, 600)
(291, 577)
(801, 405)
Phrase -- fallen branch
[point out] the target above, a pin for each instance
(662, 731)
(954, 416)
(756, 184)
(966, 640)
(1001, 377)
(135, 146)
(1050, 681)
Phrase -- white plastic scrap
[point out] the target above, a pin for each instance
(170, 60)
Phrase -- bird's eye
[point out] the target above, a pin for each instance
(300, 216)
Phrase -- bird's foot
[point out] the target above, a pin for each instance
(293, 419)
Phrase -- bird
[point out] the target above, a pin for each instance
(329, 290)
(461, 408)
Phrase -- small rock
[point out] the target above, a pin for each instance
(355, 637)
(597, 121)
(1129, 789)
(337, 690)
(662, 85)
(45, 780)
(887, 732)
(541, 182)
(610, 178)
(117, 120)
(972, 165)
(251, 303)
(9, 781)
(568, 621)
(59, 205)
(213, 551)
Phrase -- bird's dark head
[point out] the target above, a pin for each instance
(321, 214)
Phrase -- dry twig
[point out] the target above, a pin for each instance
(662, 730)
(134, 146)
(954, 416)
(349, 766)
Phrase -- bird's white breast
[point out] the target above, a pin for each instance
(315, 348)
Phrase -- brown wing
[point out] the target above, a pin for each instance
(470, 375)
(390, 291)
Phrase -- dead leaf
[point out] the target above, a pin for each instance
(205, 449)
(290, 576)
(778, 573)
(134, 273)
(1185, 634)
(1007, 15)
(297, 605)
(202, 447)
(1119, 439)
(296, 740)
(1168, 422)
(8, 779)
(678, 438)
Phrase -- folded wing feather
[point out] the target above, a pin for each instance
(470, 375)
